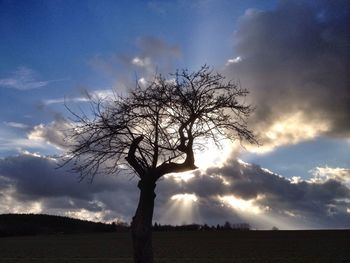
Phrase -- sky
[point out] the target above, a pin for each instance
(292, 56)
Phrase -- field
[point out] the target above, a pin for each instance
(200, 246)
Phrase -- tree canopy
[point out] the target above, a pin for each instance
(156, 128)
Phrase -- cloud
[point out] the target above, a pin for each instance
(16, 125)
(153, 55)
(294, 59)
(233, 60)
(141, 62)
(235, 192)
(24, 78)
(10, 144)
(46, 138)
(85, 97)
(322, 174)
(62, 100)
(289, 128)
(31, 183)
(156, 48)
(306, 200)
(54, 133)
(245, 192)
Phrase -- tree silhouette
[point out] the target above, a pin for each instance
(155, 131)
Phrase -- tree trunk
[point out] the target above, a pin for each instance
(141, 226)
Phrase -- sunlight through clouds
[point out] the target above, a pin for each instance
(53, 134)
(85, 214)
(9, 204)
(212, 155)
(184, 198)
(322, 174)
(181, 208)
(241, 205)
(290, 129)
(178, 177)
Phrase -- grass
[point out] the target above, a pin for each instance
(246, 246)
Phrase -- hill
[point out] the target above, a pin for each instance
(40, 224)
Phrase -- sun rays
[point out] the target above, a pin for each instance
(212, 155)
(182, 209)
(241, 205)
(184, 198)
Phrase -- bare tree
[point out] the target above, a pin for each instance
(155, 131)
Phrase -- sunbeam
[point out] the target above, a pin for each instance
(241, 205)
(182, 209)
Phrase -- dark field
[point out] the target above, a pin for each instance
(199, 246)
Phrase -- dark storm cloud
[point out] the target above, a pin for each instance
(296, 58)
(306, 199)
(25, 179)
(36, 176)
(33, 178)
(306, 203)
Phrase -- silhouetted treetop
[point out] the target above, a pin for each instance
(156, 128)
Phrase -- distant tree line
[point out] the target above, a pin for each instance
(121, 226)
(40, 224)
(196, 227)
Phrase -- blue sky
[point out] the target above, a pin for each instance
(291, 56)
(56, 42)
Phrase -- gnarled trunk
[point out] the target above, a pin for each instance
(141, 226)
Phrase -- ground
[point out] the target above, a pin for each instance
(200, 246)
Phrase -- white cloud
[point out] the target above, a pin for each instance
(142, 82)
(291, 128)
(62, 100)
(84, 214)
(141, 62)
(322, 174)
(11, 144)
(54, 133)
(233, 60)
(241, 205)
(34, 154)
(9, 204)
(295, 180)
(16, 125)
(101, 93)
(24, 78)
